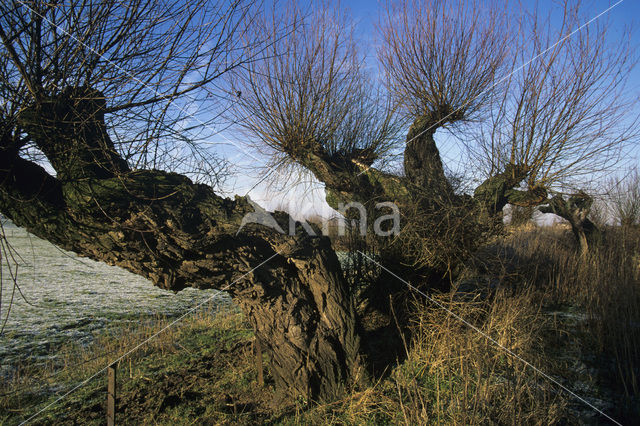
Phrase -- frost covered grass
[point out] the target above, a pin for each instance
(63, 298)
(204, 371)
(160, 370)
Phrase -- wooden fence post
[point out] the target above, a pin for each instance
(259, 361)
(111, 395)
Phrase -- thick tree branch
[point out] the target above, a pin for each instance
(179, 234)
(422, 162)
(575, 210)
(69, 129)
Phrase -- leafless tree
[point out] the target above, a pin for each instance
(544, 97)
(564, 113)
(156, 67)
(310, 102)
(540, 100)
(565, 116)
(108, 92)
(103, 89)
(440, 61)
(624, 198)
(311, 105)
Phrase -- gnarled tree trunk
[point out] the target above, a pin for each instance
(180, 234)
(422, 163)
(575, 210)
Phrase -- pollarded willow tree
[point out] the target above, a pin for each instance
(564, 118)
(557, 113)
(538, 100)
(312, 103)
(623, 198)
(103, 92)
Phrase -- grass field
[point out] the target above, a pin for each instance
(529, 321)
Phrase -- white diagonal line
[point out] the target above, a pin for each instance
(577, 30)
(147, 340)
(133, 77)
(492, 340)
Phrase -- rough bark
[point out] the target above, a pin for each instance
(422, 162)
(498, 191)
(348, 180)
(439, 227)
(575, 210)
(70, 130)
(178, 234)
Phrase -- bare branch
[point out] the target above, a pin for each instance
(441, 58)
(566, 115)
(624, 198)
(151, 60)
(309, 101)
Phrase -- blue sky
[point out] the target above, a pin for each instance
(308, 199)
